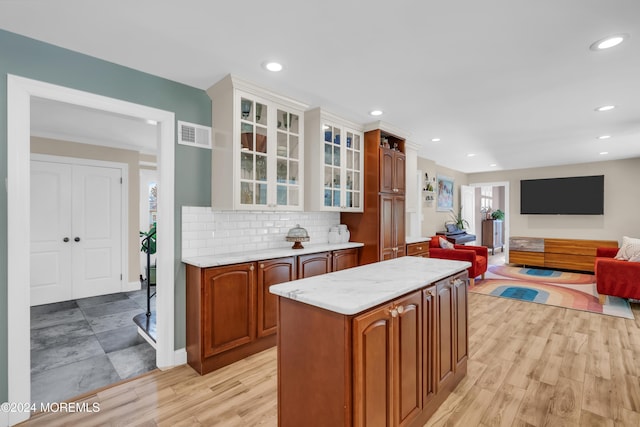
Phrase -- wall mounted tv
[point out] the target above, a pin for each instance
(580, 195)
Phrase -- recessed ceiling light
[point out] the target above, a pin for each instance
(273, 66)
(602, 153)
(375, 112)
(609, 41)
(604, 137)
(605, 108)
(492, 165)
(470, 155)
(151, 122)
(435, 139)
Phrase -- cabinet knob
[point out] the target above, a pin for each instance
(261, 265)
(400, 309)
(251, 268)
(419, 248)
(393, 312)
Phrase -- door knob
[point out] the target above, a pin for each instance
(76, 239)
(66, 239)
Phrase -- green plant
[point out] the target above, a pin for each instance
(148, 244)
(497, 214)
(457, 219)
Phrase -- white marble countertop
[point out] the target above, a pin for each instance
(416, 239)
(240, 257)
(357, 289)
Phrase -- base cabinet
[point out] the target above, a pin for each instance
(388, 362)
(397, 362)
(230, 312)
(272, 272)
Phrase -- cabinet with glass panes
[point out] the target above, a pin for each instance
(258, 148)
(334, 159)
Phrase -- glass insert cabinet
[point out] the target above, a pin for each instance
(258, 148)
(334, 162)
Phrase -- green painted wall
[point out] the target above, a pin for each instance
(29, 58)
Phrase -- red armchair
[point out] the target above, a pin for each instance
(616, 277)
(476, 255)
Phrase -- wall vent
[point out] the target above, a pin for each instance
(194, 135)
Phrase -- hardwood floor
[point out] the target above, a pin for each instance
(529, 365)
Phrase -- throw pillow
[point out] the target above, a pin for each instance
(630, 249)
(445, 244)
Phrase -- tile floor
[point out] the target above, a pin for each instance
(81, 345)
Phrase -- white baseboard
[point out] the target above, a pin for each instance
(180, 357)
(4, 419)
(131, 286)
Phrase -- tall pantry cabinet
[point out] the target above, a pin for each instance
(381, 226)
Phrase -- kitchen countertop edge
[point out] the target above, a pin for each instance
(357, 289)
(220, 260)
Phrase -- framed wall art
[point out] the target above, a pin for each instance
(444, 188)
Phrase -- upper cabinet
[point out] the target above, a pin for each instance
(334, 162)
(258, 148)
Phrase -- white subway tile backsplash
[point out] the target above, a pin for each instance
(209, 232)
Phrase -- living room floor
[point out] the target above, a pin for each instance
(82, 345)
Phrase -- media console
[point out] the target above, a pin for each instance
(565, 254)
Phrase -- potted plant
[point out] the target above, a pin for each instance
(457, 219)
(497, 214)
(148, 246)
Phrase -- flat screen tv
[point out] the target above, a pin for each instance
(580, 195)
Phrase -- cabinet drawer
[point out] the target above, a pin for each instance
(526, 258)
(418, 249)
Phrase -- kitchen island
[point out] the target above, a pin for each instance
(380, 344)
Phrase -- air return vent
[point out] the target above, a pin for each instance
(194, 135)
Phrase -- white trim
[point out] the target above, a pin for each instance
(147, 338)
(19, 93)
(124, 202)
(4, 419)
(180, 356)
(507, 205)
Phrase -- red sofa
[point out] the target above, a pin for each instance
(476, 255)
(616, 277)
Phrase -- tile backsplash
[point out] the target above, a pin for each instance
(206, 231)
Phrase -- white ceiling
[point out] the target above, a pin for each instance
(512, 81)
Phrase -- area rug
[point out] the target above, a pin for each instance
(560, 288)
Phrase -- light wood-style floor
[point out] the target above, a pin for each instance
(529, 365)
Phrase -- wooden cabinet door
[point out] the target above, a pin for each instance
(392, 232)
(314, 264)
(461, 326)
(386, 170)
(445, 333)
(399, 226)
(272, 272)
(387, 227)
(372, 363)
(399, 172)
(345, 258)
(407, 360)
(429, 356)
(229, 307)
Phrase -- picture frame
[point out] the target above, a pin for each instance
(444, 188)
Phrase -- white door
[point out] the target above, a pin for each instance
(468, 203)
(76, 231)
(97, 231)
(50, 232)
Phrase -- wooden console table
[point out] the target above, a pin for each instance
(565, 254)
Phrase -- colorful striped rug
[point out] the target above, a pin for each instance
(559, 288)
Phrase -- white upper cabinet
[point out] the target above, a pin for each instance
(334, 160)
(258, 148)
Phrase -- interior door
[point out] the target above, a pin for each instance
(97, 230)
(76, 231)
(468, 203)
(50, 232)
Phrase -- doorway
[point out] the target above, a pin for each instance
(494, 195)
(20, 91)
(84, 201)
